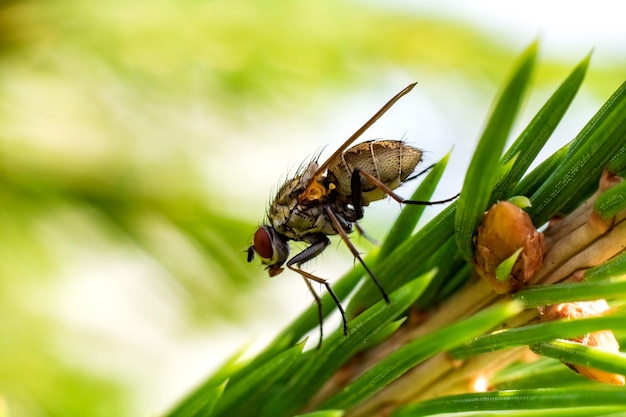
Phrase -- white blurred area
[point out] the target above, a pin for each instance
(124, 322)
(566, 29)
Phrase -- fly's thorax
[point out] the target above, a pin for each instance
(390, 161)
(299, 222)
(288, 192)
(285, 201)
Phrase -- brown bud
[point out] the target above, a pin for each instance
(604, 340)
(505, 229)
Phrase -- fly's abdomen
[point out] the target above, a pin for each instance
(390, 161)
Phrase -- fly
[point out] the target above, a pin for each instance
(328, 199)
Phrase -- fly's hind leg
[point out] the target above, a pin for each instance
(306, 255)
(381, 185)
(419, 174)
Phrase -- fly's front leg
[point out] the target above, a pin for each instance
(306, 255)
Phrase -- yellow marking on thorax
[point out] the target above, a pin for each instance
(315, 192)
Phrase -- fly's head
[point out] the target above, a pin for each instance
(271, 247)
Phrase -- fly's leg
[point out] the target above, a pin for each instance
(337, 225)
(378, 183)
(357, 205)
(357, 194)
(364, 234)
(419, 174)
(310, 277)
(306, 255)
(318, 301)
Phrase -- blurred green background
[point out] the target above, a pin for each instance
(140, 142)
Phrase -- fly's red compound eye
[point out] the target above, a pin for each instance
(263, 243)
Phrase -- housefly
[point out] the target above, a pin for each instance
(327, 198)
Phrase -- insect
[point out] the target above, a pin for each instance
(328, 199)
